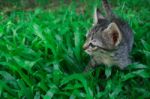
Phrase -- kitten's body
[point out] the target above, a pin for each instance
(109, 41)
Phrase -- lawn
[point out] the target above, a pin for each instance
(41, 53)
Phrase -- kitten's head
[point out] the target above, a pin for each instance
(103, 36)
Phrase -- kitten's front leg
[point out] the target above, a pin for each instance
(92, 63)
(123, 63)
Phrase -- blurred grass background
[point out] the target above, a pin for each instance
(41, 53)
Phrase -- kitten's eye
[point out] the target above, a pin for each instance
(92, 45)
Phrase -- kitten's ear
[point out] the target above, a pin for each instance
(97, 15)
(113, 33)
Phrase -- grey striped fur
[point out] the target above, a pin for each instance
(109, 41)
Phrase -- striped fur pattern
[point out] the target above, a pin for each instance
(109, 41)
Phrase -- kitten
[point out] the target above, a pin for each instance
(109, 41)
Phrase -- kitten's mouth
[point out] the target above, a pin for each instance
(90, 50)
(86, 47)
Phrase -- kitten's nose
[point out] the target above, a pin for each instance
(85, 46)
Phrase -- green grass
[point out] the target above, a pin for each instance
(41, 54)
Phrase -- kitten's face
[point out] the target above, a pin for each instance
(103, 36)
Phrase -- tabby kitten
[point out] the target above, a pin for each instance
(109, 41)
